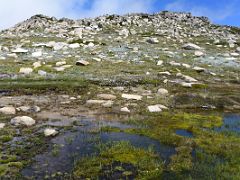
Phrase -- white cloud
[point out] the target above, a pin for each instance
(14, 11)
(216, 15)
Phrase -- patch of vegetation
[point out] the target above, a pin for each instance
(148, 164)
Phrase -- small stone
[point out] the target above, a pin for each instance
(186, 65)
(82, 63)
(132, 97)
(154, 108)
(125, 109)
(187, 78)
(2, 125)
(74, 46)
(25, 70)
(199, 69)
(50, 132)
(108, 104)
(118, 88)
(61, 63)
(97, 102)
(162, 92)
(165, 73)
(185, 84)
(91, 45)
(152, 40)
(234, 54)
(37, 54)
(42, 73)
(159, 63)
(29, 109)
(198, 53)
(8, 110)
(59, 69)
(191, 46)
(238, 49)
(19, 50)
(37, 65)
(106, 96)
(23, 120)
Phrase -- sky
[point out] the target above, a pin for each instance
(226, 12)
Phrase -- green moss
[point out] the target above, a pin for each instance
(147, 162)
(42, 85)
(162, 126)
(6, 138)
(110, 129)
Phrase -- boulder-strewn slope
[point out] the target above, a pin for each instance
(172, 76)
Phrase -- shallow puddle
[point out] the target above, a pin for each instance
(184, 133)
(67, 148)
(231, 123)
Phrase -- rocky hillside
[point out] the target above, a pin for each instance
(168, 79)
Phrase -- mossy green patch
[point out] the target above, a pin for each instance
(147, 162)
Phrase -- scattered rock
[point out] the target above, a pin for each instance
(198, 53)
(95, 102)
(74, 46)
(106, 96)
(37, 65)
(61, 63)
(154, 108)
(29, 109)
(185, 84)
(2, 125)
(191, 46)
(19, 50)
(162, 92)
(23, 120)
(125, 109)
(108, 104)
(42, 73)
(82, 63)
(132, 97)
(159, 63)
(152, 40)
(238, 50)
(187, 78)
(37, 54)
(50, 132)
(199, 69)
(8, 110)
(25, 70)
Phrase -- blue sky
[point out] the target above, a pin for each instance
(219, 11)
